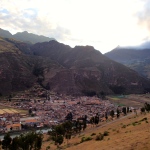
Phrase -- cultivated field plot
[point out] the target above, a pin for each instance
(7, 109)
(132, 100)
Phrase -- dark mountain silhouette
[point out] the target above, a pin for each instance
(138, 60)
(25, 36)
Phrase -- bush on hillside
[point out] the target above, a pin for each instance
(99, 137)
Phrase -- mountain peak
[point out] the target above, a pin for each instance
(87, 47)
(25, 36)
(24, 32)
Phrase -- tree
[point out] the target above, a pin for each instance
(106, 116)
(147, 107)
(59, 140)
(6, 142)
(112, 113)
(124, 110)
(127, 109)
(29, 141)
(143, 110)
(69, 116)
(57, 133)
(96, 119)
(85, 122)
(92, 120)
(38, 142)
(14, 144)
(118, 113)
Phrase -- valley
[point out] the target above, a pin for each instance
(45, 84)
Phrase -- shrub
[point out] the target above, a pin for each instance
(48, 147)
(76, 143)
(83, 139)
(93, 134)
(124, 126)
(117, 131)
(106, 133)
(144, 119)
(134, 124)
(99, 137)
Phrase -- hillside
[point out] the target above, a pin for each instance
(138, 60)
(129, 132)
(82, 69)
(87, 71)
(15, 71)
(18, 71)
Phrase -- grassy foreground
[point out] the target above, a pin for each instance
(130, 133)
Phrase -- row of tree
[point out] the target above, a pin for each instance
(28, 141)
(65, 130)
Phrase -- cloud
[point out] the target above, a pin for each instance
(144, 15)
(23, 17)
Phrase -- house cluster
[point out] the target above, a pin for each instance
(48, 112)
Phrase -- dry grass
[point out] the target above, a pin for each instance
(128, 133)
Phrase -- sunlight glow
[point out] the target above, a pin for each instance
(102, 24)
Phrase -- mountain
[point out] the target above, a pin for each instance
(87, 71)
(25, 36)
(30, 37)
(138, 60)
(81, 70)
(15, 71)
(19, 68)
(145, 45)
(5, 33)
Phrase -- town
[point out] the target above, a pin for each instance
(45, 112)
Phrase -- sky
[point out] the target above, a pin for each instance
(104, 24)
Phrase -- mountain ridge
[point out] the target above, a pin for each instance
(138, 60)
(91, 67)
(25, 36)
(57, 67)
